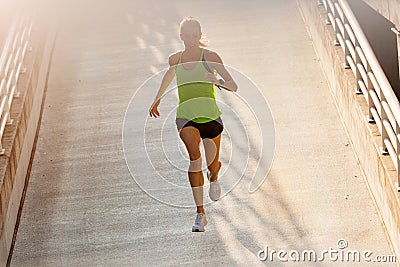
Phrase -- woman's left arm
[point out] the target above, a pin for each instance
(215, 62)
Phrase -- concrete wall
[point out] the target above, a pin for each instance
(388, 8)
(379, 171)
(19, 137)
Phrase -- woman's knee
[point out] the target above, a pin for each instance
(195, 165)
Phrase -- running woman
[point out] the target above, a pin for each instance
(198, 116)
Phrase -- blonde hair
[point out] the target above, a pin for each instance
(191, 21)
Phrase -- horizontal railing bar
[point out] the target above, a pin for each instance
(3, 103)
(332, 20)
(390, 132)
(392, 152)
(325, 4)
(352, 64)
(374, 82)
(349, 30)
(377, 118)
(376, 101)
(331, 6)
(362, 57)
(340, 25)
(350, 46)
(362, 71)
(2, 86)
(11, 95)
(363, 88)
(389, 115)
(3, 122)
(341, 41)
(339, 11)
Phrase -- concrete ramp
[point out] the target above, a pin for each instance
(83, 207)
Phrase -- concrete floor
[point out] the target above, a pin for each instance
(83, 208)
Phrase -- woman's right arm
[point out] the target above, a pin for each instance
(166, 80)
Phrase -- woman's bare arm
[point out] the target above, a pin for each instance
(215, 62)
(166, 80)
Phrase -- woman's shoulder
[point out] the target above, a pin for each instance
(212, 56)
(173, 59)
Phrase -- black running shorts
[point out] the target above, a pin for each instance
(209, 129)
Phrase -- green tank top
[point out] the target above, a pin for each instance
(196, 93)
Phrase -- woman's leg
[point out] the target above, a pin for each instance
(211, 148)
(191, 138)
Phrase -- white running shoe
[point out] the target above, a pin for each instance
(215, 189)
(199, 223)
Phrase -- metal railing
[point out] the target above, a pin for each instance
(383, 105)
(12, 57)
